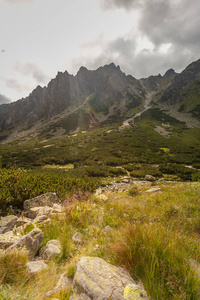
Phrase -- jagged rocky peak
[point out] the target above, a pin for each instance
(182, 81)
(169, 72)
(82, 70)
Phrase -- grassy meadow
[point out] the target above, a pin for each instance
(153, 235)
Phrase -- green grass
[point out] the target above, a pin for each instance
(153, 236)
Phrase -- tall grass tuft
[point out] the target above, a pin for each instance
(12, 267)
(153, 254)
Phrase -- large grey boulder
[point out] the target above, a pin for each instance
(96, 279)
(7, 223)
(31, 242)
(37, 266)
(52, 249)
(47, 199)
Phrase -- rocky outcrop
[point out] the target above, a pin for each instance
(47, 199)
(96, 279)
(31, 242)
(92, 95)
(16, 112)
(186, 80)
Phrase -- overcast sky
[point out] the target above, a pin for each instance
(38, 38)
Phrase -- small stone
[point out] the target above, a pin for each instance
(103, 197)
(107, 230)
(77, 237)
(149, 178)
(127, 179)
(52, 249)
(37, 266)
(153, 190)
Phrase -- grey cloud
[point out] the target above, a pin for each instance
(4, 99)
(14, 85)
(174, 22)
(31, 70)
(18, 1)
(147, 62)
(162, 22)
(125, 4)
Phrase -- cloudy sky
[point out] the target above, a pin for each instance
(38, 38)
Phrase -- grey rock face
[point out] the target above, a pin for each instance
(47, 199)
(96, 279)
(31, 242)
(37, 266)
(7, 223)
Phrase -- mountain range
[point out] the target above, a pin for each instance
(92, 99)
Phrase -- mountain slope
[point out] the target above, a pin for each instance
(90, 96)
(92, 99)
(184, 92)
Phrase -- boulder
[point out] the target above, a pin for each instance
(96, 279)
(149, 178)
(7, 239)
(37, 266)
(31, 242)
(7, 223)
(47, 199)
(52, 249)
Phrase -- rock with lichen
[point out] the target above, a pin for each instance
(96, 279)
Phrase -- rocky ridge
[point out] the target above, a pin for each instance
(93, 98)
